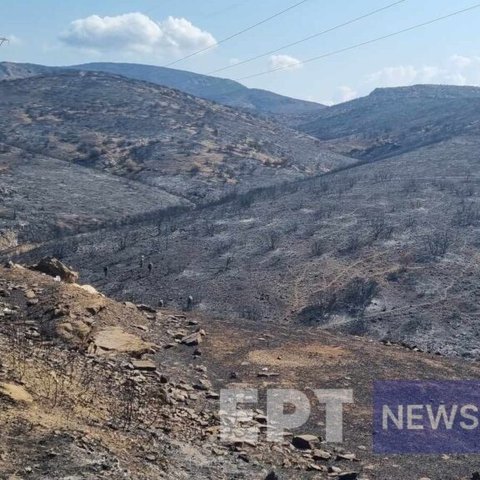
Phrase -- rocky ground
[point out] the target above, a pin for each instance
(95, 389)
(91, 388)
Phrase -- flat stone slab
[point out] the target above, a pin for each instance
(144, 365)
(115, 339)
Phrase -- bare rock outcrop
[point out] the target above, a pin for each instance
(55, 268)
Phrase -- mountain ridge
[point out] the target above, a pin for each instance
(396, 120)
(224, 91)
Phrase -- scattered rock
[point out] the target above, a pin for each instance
(213, 395)
(30, 294)
(267, 374)
(333, 469)
(348, 476)
(321, 455)
(95, 308)
(144, 328)
(244, 457)
(316, 468)
(305, 442)
(346, 456)
(90, 289)
(148, 365)
(203, 385)
(193, 339)
(263, 419)
(146, 308)
(72, 330)
(272, 476)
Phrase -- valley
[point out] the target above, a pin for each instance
(225, 245)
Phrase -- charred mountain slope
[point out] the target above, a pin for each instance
(156, 135)
(388, 249)
(390, 121)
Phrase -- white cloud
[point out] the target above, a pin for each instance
(460, 61)
(14, 40)
(136, 32)
(285, 61)
(341, 94)
(347, 93)
(456, 70)
(393, 76)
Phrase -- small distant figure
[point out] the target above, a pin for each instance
(105, 271)
(161, 303)
(150, 268)
(142, 261)
(189, 302)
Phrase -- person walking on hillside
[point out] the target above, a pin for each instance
(150, 268)
(105, 271)
(142, 261)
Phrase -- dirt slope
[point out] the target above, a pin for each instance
(88, 412)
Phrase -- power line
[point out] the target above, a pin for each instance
(241, 32)
(310, 37)
(4, 40)
(358, 45)
(227, 9)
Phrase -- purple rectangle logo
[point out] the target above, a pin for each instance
(426, 417)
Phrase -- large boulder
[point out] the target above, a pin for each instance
(55, 268)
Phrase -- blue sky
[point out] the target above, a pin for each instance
(159, 31)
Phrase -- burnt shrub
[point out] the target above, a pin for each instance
(352, 245)
(317, 249)
(352, 299)
(435, 245)
(467, 215)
